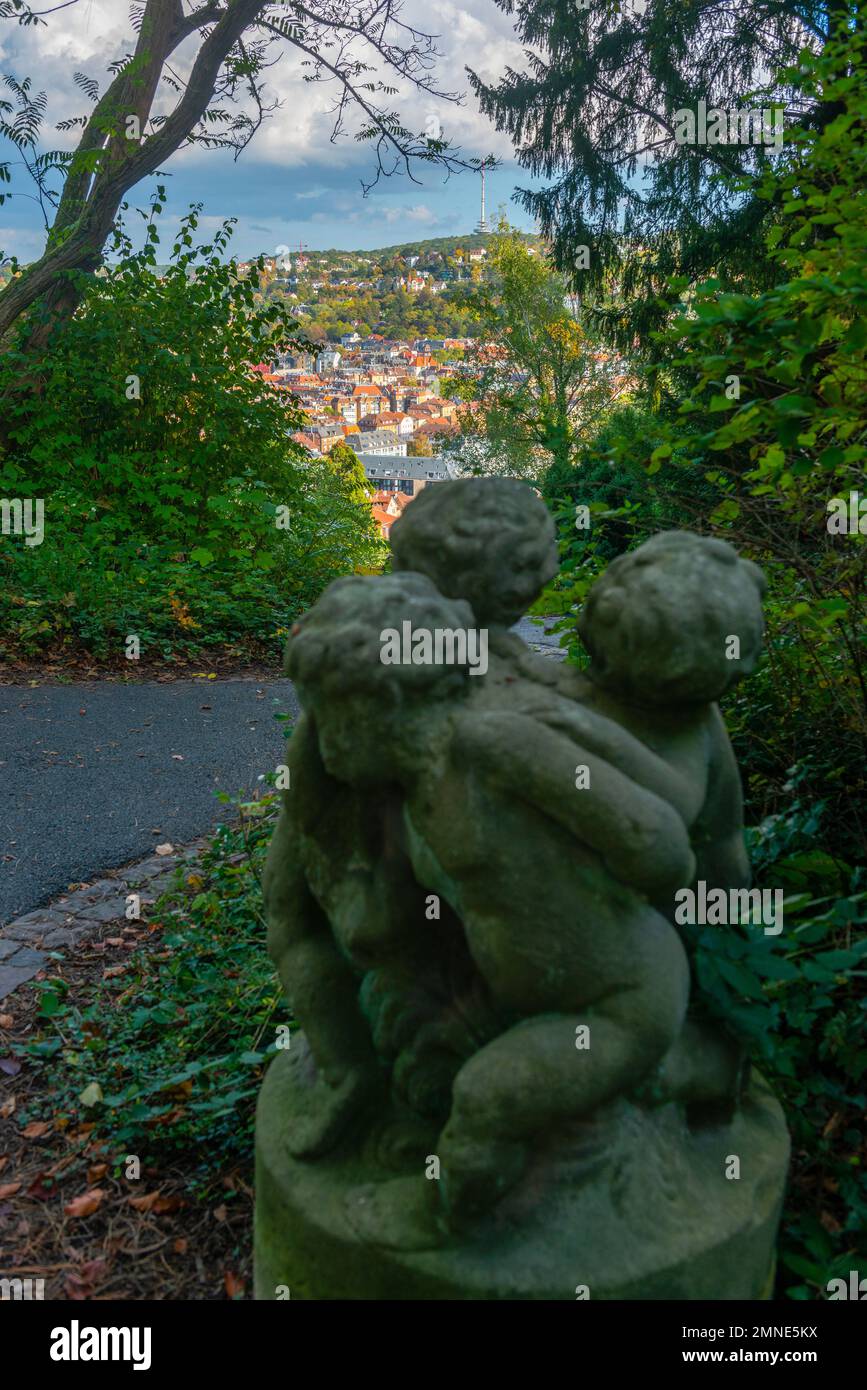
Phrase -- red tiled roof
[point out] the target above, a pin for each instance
(382, 519)
(439, 425)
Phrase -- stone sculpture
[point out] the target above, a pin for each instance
(500, 1088)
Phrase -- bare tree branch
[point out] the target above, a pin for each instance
(123, 141)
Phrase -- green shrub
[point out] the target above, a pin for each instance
(178, 1067)
(178, 507)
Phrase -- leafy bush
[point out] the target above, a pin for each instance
(798, 1000)
(177, 505)
(179, 1065)
(756, 417)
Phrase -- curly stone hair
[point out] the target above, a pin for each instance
(490, 541)
(335, 648)
(657, 622)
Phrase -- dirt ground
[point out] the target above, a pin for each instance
(66, 1219)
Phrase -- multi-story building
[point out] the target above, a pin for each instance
(381, 444)
(407, 476)
(368, 400)
(327, 361)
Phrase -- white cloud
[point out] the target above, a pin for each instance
(22, 242)
(88, 36)
(320, 181)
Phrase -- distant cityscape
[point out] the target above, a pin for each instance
(375, 390)
(382, 398)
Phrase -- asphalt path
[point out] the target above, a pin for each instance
(95, 775)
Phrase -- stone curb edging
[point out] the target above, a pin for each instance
(77, 915)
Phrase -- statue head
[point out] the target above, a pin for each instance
(361, 699)
(490, 541)
(677, 621)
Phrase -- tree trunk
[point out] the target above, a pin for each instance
(90, 201)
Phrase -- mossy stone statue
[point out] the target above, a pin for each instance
(502, 1087)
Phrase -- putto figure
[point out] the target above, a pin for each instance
(470, 897)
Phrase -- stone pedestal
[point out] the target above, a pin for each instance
(635, 1205)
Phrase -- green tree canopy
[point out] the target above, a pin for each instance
(593, 113)
(537, 378)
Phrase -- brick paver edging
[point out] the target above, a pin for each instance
(78, 914)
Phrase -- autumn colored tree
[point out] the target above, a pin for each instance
(420, 447)
(538, 380)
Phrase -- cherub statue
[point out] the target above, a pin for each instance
(549, 814)
(669, 627)
(552, 887)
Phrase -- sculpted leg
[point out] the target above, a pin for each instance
(339, 1074)
(705, 1068)
(549, 1069)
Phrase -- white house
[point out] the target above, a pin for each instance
(382, 444)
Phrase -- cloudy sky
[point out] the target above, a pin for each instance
(291, 184)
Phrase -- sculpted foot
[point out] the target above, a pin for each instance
(402, 1214)
(323, 1112)
(475, 1175)
(703, 1066)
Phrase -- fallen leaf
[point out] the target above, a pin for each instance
(180, 1245)
(111, 971)
(233, 1285)
(7, 1108)
(38, 1190)
(36, 1129)
(92, 1094)
(146, 1202)
(115, 941)
(8, 1189)
(86, 1204)
(96, 1171)
(219, 1213)
(165, 849)
(167, 1204)
(6, 1020)
(80, 1282)
(9, 1066)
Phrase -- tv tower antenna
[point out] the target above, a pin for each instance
(483, 223)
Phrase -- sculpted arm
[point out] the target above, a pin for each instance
(620, 748)
(718, 836)
(641, 838)
(321, 988)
